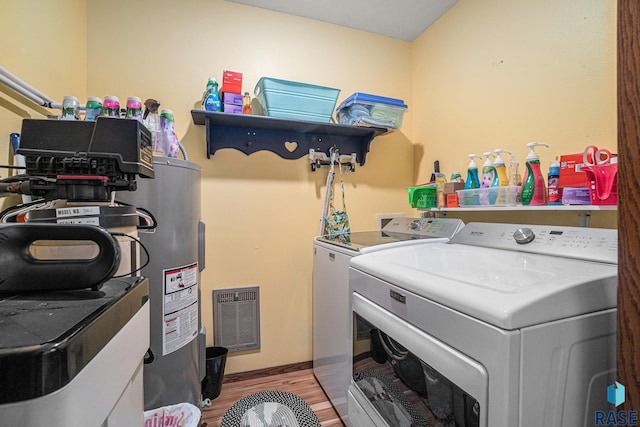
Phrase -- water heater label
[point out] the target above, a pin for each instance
(180, 308)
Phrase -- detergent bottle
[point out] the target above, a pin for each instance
(472, 174)
(554, 194)
(534, 190)
(501, 170)
(211, 98)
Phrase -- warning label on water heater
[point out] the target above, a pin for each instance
(180, 308)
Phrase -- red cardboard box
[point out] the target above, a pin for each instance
(571, 174)
(231, 82)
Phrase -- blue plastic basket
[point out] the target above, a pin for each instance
(295, 100)
(363, 109)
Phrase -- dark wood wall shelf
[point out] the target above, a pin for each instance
(290, 139)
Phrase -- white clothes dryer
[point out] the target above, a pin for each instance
(331, 312)
(503, 326)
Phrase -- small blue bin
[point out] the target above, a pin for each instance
(294, 100)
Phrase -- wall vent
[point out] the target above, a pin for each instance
(236, 318)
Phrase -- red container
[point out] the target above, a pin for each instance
(571, 171)
(603, 183)
(231, 82)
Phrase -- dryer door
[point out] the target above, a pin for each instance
(404, 377)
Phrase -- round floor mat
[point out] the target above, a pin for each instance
(270, 409)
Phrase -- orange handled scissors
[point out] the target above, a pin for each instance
(596, 156)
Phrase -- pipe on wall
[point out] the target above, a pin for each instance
(15, 83)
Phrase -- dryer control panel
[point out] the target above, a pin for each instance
(593, 244)
(424, 227)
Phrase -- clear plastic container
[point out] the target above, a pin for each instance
(492, 196)
(362, 109)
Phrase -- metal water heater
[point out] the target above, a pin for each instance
(174, 366)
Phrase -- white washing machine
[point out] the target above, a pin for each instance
(331, 313)
(504, 326)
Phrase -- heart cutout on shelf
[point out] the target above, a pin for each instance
(291, 146)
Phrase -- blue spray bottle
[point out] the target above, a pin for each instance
(472, 174)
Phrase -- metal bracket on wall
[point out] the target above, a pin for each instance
(290, 139)
(319, 159)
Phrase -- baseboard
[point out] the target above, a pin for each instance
(267, 372)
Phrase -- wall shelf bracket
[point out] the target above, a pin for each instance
(289, 139)
(319, 159)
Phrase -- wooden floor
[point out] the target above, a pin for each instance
(301, 383)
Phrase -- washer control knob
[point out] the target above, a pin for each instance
(524, 236)
(415, 224)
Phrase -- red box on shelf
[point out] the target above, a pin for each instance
(571, 173)
(231, 82)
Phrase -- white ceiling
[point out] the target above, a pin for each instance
(401, 19)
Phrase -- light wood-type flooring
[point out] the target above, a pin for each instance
(300, 382)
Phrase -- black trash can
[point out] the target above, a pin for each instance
(216, 358)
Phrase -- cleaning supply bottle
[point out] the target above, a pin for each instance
(110, 106)
(93, 108)
(70, 108)
(515, 180)
(501, 169)
(246, 103)
(534, 190)
(486, 196)
(134, 108)
(488, 172)
(472, 174)
(211, 98)
(151, 120)
(170, 143)
(441, 180)
(554, 194)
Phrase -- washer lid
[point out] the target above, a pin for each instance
(508, 289)
(369, 241)
(398, 231)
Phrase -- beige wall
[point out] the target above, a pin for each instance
(501, 73)
(489, 74)
(261, 211)
(45, 44)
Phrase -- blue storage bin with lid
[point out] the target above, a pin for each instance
(362, 109)
(294, 100)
